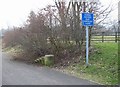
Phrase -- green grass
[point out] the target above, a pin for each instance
(104, 65)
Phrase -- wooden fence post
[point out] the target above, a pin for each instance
(102, 36)
(116, 37)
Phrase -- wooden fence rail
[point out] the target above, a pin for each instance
(105, 36)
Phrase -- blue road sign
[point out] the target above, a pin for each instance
(87, 19)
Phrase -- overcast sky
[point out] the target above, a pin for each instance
(15, 12)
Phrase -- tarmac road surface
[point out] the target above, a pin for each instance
(18, 73)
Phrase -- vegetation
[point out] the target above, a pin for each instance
(51, 29)
(103, 65)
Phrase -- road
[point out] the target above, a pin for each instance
(18, 73)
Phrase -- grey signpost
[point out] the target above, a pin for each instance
(87, 20)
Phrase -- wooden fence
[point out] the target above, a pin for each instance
(105, 36)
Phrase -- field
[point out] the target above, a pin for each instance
(103, 67)
(105, 37)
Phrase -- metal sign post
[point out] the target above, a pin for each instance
(87, 45)
(87, 20)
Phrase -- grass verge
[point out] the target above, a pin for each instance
(14, 51)
(104, 65)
